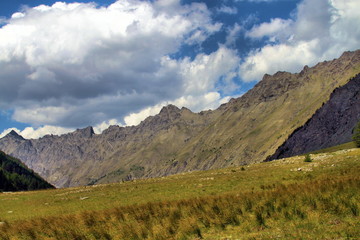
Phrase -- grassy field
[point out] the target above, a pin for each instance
(283, 199)
(344, 146)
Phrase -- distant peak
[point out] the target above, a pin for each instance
(184, 109)
(279, 74)
(349, 54)
(14, 134)
(86, 132)
(169, 108)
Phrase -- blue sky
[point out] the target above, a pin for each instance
(68, 65)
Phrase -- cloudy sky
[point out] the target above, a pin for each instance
(68, 65)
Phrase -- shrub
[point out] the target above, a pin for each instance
(307, 158)
(356, 136)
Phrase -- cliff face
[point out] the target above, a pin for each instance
(331, 125)
(242, 131)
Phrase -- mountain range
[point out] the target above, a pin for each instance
(252, 128)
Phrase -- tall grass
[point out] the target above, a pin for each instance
(310, 204)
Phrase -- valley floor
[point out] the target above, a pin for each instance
(282, 199)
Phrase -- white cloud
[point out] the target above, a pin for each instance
(6, 131)
(199, 80)
(275, 26)
(320, 30)
(227, 10)
(201, 77)
(35, 115)
(202, 74)
(34, 133)
(134, 119)
(74, 65)
(233, 34)
(99, 128)
(273, 58)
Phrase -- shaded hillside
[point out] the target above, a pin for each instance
(331, 125)
(245, 130)
(15, 176)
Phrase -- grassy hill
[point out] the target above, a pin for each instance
(283, 199)
(16, 176)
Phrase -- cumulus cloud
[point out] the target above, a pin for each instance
(203, 73)
(274, 27)
(201, 76)
(34, 133)
(99, 128)
(77, 64)
(318, 31)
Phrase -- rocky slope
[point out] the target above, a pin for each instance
(331, 125)
(82, 157)
(245, 130)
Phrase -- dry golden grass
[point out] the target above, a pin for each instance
(319, 202)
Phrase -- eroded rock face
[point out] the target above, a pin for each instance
(331, 125)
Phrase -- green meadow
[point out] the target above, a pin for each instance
(283, 199)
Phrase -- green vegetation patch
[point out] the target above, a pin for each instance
(16, 176)
(356, 136)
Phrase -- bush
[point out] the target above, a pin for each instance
(307, 158)
(356, 136)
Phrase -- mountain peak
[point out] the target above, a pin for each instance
(350, 54)
(15, 135)
(87, 132)
(170, 109)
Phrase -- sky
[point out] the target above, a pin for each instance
(68, 65)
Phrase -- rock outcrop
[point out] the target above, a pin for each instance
(331, 125)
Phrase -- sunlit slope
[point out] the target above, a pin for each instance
(255, 125)
(253, 201)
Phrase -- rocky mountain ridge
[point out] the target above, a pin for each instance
(242, 131)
